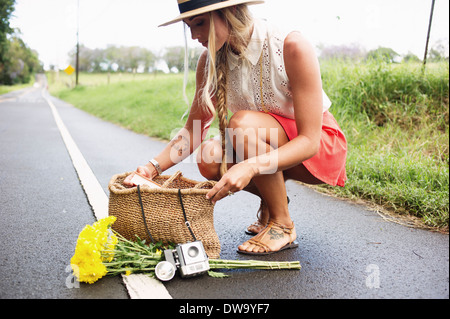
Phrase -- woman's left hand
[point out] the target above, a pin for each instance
(237, 177)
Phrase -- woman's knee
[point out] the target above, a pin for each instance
(253, 128)
(242, 119)
(209, 159)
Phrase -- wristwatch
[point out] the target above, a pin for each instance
(156, 164)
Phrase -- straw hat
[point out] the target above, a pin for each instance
(191, 8)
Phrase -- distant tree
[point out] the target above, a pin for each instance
(124, 59)
(139, 58)
(438, 51)
(194, 55)
(84, 59)
(383, 54)
(6, 10)
(411, 57)
(97, 60)
(17, 61)
(434, 55)
(174, 57)
(22, 62)
(132, 59)
(148, 59)
(351, 52)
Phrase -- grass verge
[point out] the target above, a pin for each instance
(9, 88)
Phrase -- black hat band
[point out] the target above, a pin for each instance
(190, 5)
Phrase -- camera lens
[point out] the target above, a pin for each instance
(193, 251)
(165, 271)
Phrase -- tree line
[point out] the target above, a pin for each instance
(133, 59)
(355, 52)
(142, 60)
(17, 61)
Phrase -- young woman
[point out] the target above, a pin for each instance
(280, 128)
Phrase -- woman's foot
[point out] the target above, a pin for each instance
(273, 238)
(263, 218)
(261, 223)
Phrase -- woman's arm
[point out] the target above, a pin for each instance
(303, 70)
(188, 138)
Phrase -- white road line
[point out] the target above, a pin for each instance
(94, 192)
(139, 286)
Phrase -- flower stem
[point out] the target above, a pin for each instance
(253, 264)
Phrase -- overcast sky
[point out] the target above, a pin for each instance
(49, 26)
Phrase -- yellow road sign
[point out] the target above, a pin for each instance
(69, 70)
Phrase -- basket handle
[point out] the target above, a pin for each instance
(203, 184)
(143, 215)
(171, 179)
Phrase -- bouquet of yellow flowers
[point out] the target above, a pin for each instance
(100, 251)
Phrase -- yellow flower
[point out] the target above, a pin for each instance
(94, 246)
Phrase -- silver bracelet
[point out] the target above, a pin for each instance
(156, 164)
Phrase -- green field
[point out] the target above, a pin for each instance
(395, 118)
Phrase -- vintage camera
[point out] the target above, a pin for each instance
(189, 258)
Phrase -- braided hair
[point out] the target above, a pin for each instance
(240, 23)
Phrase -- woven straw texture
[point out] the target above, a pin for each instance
(163, 211)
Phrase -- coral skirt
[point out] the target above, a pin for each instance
(328, 164)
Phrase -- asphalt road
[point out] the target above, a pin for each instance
(346, 250)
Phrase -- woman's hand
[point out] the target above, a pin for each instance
(143, 170)
(235, 180)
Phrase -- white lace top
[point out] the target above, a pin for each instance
(244, 78)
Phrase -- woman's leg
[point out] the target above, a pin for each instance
(254, 133)
(209, 158)
(250, 134)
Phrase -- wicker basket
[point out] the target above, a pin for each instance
(163, 212)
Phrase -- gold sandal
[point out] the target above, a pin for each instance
(269, 230)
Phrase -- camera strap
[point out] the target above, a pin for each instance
(188, 225)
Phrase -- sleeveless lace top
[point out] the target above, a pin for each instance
(262, 73)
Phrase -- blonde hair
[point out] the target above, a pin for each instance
(239, 22)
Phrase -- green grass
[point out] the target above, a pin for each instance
(146, 104)
(395, 119)
(9, 88)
